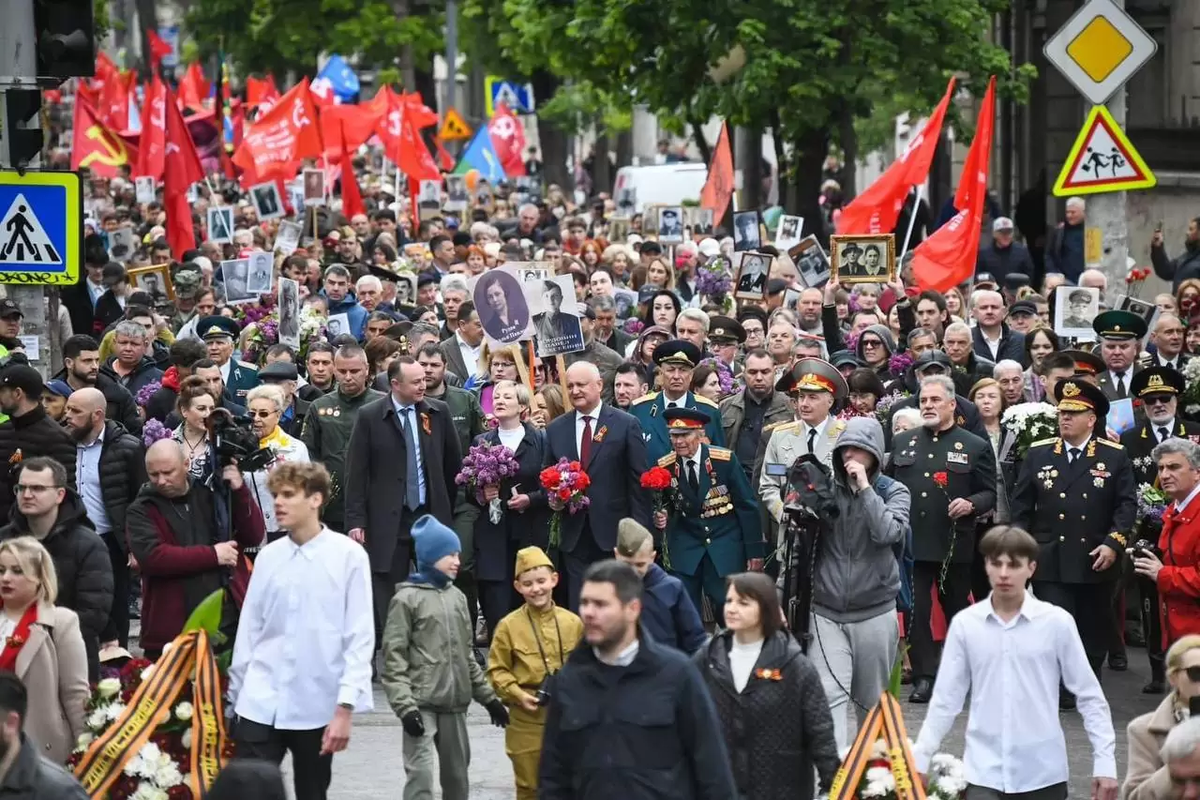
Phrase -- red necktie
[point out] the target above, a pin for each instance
(585, 442)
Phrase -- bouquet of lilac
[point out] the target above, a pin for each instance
(1151, 503)
(153, 431)
(633, 326)
(884, 406)
(146, 392)
(724, 375)
(899, 363)
(487, 465)
(712, 281)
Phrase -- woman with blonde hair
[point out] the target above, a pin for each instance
(43, 646)
(547, 404)
(265, 405)
(497, 364)
(1147, 777)
(660, 273)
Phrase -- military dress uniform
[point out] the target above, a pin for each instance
(713, 530)
(326, 433)
(243, 376)
(1073, 502)
(937, 467)
(1139, 443)
(650, 408)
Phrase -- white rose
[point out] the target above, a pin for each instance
(114, 710)
(109, 688)
(186, 739)
(183, 712)
(97, 718)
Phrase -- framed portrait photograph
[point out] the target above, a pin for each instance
(153, 280)
(750, 283)
(457, 196)
(670, 225)
(122, 244)
(864, 259)
(747, 230)
(230, 282)
(556, 324)
(258, 280)
(220, 224)
(406, 289)
(289, 312)
(700, 220)
(144, 188)
(627, 201)
(267, 202)
(1145, 309)
(503, 310)
(787, 235)
(485, 196)
(314, 187)
(287, 238)
(1074, 309)
(811, 262)
(618, 229)
(429, 194)
(650, 220)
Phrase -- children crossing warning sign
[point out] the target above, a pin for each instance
(1102, 160)
(41, 227)
(454, 127)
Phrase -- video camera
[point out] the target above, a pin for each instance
(234, 439)
(808, 495)
(808, 507)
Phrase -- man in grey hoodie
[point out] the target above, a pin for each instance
(858, 577)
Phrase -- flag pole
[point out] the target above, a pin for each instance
(912, 219)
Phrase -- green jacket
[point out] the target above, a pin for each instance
(467, 414)
(427, 658)
(326, 434)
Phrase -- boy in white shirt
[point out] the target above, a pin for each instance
(1010, 652)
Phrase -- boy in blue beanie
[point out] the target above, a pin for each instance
(429, 671)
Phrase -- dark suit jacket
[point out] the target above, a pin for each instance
(1105, 382)
(616, 465)
(454, 359)
(496, 544)
(1012, 346)
(376, 476)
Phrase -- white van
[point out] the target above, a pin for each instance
(670, 184)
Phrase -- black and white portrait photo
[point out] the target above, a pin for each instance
(336, 325)
(429, 194)
(702, 221)
(289, 312)
(457, 197)
(259, 280)
(230, 282)
(503, 311)
(287, 238)
(864, 259)
(558, 331)
(122, 244)
(1143, 308)
(618, 230)
(1074, 309)
(220, 224)
(787, 235)
(746, 233)
(314, 187)
(670, 225)
(144, 188)
(751, 280)
(406, 289)
(811, 262)
(267, 202)
(627, 201)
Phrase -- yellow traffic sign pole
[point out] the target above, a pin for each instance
(1108, 212)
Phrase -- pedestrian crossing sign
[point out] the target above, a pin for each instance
(1102, 160)
(41, 230)
(454, 127)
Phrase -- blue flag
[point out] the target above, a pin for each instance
(341, 77)
(481, 155)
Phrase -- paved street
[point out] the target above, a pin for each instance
(373, 767)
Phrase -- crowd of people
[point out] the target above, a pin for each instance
(183, 447)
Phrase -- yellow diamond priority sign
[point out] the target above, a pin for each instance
(1099, 48)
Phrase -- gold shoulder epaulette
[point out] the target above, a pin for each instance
(1110, 443)
(644, 398)
(783, 426)
(667, 460)
(1043, 442)
(720, 453)
(702, 399)
(835, 430)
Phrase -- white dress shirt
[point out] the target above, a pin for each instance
(1014, 740)
(1182, 505)
(470, 355)
(409, 416)
(820, 429)
(306, 635)
(579, 415)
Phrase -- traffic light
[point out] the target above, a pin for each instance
(23, 126)
(66, 38)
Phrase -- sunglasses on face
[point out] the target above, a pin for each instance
(261, 414)
(1158, 399)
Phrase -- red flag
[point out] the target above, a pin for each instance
(261, 92)
(354, 123)
(718, 186)
(159, 49)
(352, 202)
(403, 145)
(105, 69)
(114, 100)
(508, 140)
(422, 115)
(322, 93)
(877, 209)
(96, 146)
(87, 91)
(947, 258)
(181, 168)
(152, 146)
(282, 137)
(194, 88)
(444, 159)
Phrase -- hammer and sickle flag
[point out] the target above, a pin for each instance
(97, 147)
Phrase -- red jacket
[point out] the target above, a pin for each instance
(1179, 579)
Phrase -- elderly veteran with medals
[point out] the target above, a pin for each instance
(220, 336)
(675, 359)
(713, 530)
(1077, 496)
(813, 385)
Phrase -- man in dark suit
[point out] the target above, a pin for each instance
(1168, 337)
(609, 444)
(1076, 495)
(951, 475)
(401, 462)
(463, 348)
(1158, 388)
(1120, 334)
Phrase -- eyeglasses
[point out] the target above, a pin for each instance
(22, 488)
(871, 343)
(1193, 674)
(1159, 400)
(261, 414)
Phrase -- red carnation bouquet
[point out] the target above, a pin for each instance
(565, 484)
(658, 481)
